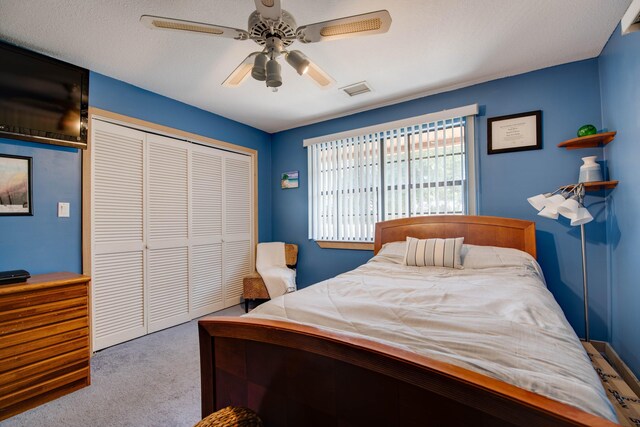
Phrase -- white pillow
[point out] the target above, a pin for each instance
(392, 252)
(434, 252)
(393, 249)
(476, 257)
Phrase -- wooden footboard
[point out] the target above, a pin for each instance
(295, 375)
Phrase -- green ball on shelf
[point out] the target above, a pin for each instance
(587, 130)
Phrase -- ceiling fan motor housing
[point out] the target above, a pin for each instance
(261, 29)
(274, 46)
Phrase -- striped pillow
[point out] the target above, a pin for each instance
(434, 252)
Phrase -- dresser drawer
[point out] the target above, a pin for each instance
(30, 386)
(22, 323)
(34, 310)
(32, 297)
(29, 357)
(19, 338)
(47, 341)
(35, 391)
(51, 364)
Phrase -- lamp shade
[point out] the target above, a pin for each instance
(298, 61)
(551, 207)
(539, 201)
(549, 212)
(258, 71)
(583, 216)
(555, 201)
(274, 79)
(569, 208)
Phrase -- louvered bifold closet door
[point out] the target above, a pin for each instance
(167, 225)
(238, 217)
(117, 234)
(206, 231)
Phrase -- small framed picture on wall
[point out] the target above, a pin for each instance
(15, 185)
(289, 180)
(515, 132)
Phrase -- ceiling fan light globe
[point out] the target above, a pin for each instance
(274, 78)
(258, 74)
(259, 71)
(298, 61)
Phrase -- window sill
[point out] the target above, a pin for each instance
(359, 246)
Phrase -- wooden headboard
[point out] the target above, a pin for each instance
(476, 230)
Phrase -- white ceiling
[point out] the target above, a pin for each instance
(432, 46)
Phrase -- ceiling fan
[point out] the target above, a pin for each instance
(275, 30)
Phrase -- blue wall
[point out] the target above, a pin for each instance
(619, 71)
(568, 96)
(44, 243)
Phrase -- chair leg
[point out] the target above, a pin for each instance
(246, 305)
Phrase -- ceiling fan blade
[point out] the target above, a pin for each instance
(161, 23)
(269, 9)
(318, 75)
(241, 72)
(351, 26)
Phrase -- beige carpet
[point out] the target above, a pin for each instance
(150, 381)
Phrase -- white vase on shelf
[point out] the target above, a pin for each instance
(590, 171)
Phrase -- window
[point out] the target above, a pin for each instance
(418, 166)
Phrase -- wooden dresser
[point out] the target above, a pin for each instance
(44, 340)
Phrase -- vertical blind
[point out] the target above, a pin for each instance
(418, 166)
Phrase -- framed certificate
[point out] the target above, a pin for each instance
(516, 132)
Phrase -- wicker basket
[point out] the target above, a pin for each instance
(232, 416)
(254, 287)
(291, 254)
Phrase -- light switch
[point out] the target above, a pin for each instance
(63, 210)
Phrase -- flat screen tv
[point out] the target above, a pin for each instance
(42, 99)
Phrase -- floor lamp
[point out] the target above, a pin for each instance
(569, 202)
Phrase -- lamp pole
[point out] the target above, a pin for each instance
(570, 205)
(584, 283)
(580, 193)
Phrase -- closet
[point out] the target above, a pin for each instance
(171, 231)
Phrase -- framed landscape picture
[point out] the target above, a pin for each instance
(289, 179)
(15, 185)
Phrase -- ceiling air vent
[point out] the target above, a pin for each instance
(356, 89)
(631, 20)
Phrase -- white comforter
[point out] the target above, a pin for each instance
(501, 322)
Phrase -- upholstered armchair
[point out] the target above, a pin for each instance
(253, 286)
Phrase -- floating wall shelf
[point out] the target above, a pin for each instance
(597, 140)
(589, 141)
(594, 186)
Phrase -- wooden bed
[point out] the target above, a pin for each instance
(296, 375)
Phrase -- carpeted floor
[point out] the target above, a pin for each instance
(152, 381)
